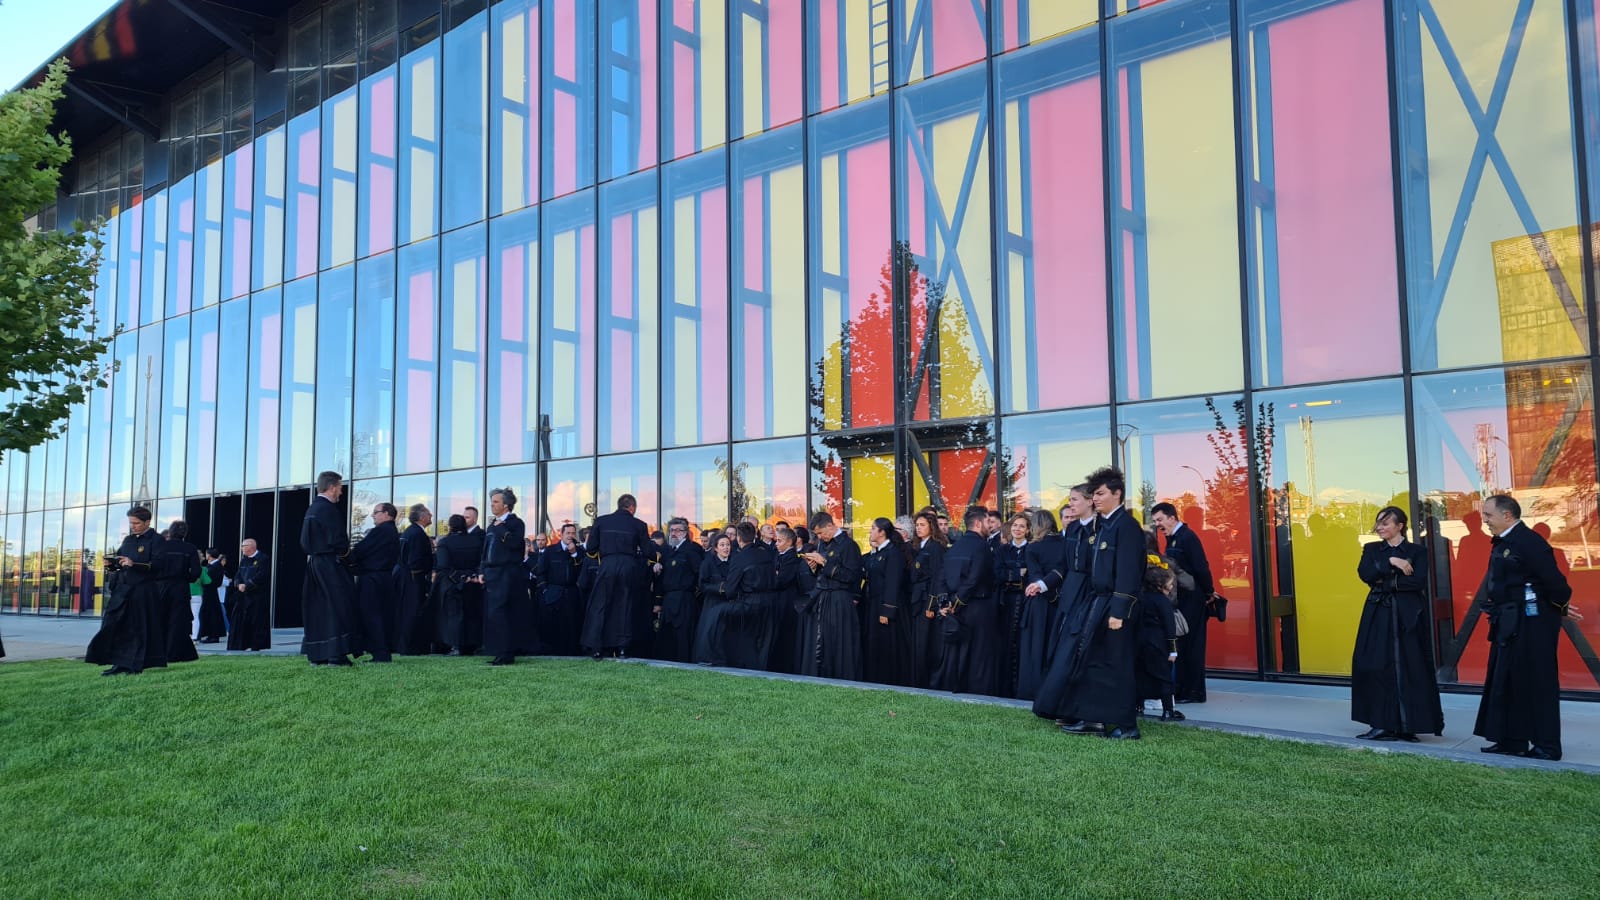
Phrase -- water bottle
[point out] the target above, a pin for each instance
(1530, 600)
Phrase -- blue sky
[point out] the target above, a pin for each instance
(32, 30)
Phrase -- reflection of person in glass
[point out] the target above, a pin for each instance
(1527, 596)
(1392, 685)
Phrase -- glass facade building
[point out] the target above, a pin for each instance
(1288, 261)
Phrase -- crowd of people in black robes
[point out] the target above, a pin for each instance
(1088, 621)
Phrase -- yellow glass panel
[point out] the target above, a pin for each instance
(713, 73)
(754, 92)
(872, 491)
(1186, 108)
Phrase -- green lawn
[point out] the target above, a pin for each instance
(264, 776)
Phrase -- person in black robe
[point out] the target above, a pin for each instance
(621, 545)
(1046, 553)
(927, 598)
(213, 624)
(251, 617)
(1101, 690)
(455, 567)
(1070, 581)
(413, 582)
(1520, 712)
(502, 577)
(1158, 635)
(328, 598)
(1011, 583)
(887, 657)
(1189, 555)
(791, 590)
(179, 570)
(1393, 683)
(646, 619)
(709, 631)
(373, 559)
(970, 616)
(747, 615)
(560, 610)
(831, 626)
(124, 624)
(680, 593)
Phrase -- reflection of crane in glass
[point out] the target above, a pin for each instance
(1488, 459)
(1125, 433)
(1311, 463)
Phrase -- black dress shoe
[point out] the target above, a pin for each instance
(1503, 750)
(1408, 737)
(1084, 728)
(114, 670)
(1385, 735)
(1123, 734)
(1540, 753)
(1172, 715)
(502, 661)
(1369, 734)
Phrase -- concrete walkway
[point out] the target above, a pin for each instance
(1317, 714)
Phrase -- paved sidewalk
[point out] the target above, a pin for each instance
(1303, 712)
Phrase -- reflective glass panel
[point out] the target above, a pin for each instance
(298, 397)
(105, 283)
(204, 406)
(569, 492)
(415, 489)
(267, 228)
(416, 378)
(847, 52)
(466, 96)
(852, 264)
(457, 491)
(567, 99)
(340, 146)
(524, 481)
(1175, 245)
(173, 425)
(769, 280)
(77, 456)
(96, 543)
(513, 344)
(768, 480)
(302, 171)
(379, 164)
(1021, 22)
(372, 444)
(1323, 283)
(1527, 432)
(514, 140)
(767, 65)
(238, 187)
(566, 312)
(629, 313)
(126, 386)
(694, 272)
(233, 339)
(263, 383)
(1047, 453)
(153, 262)
(944, 214)
(1194, 454)
(461, 314)
(940, 35)
(853, 479)
(210, 200)
(335, 372)
(1051, 227)
(365, 494)
(694, 83)
(1493, 256)
(952, 468)
(179, 293)
(1343, 460)
(634, 473)
(130, 260)
(694, 485)
(418, 206)
(628, 52)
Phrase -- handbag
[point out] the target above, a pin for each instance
(1180, 625)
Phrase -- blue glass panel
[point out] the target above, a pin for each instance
(298, 397)
(335, 372)
(465, 284)
(267, 228)
(204, 408)
(415, 355)
(373, 441)
(261, 392)
(466, 89)
(419, 144)
(513, 340)
(233, 339)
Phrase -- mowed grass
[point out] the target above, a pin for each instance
(265, 777)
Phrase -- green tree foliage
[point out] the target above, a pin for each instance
(48, 355)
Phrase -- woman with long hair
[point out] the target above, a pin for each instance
(927, 596)
(889, 625)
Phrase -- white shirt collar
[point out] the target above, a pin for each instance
(1176, 527)
(1508, 530)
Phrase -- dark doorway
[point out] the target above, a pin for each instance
(225, 515)
(198, 514)
(260, 511)
(291, 571)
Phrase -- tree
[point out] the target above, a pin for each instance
(49, 357)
